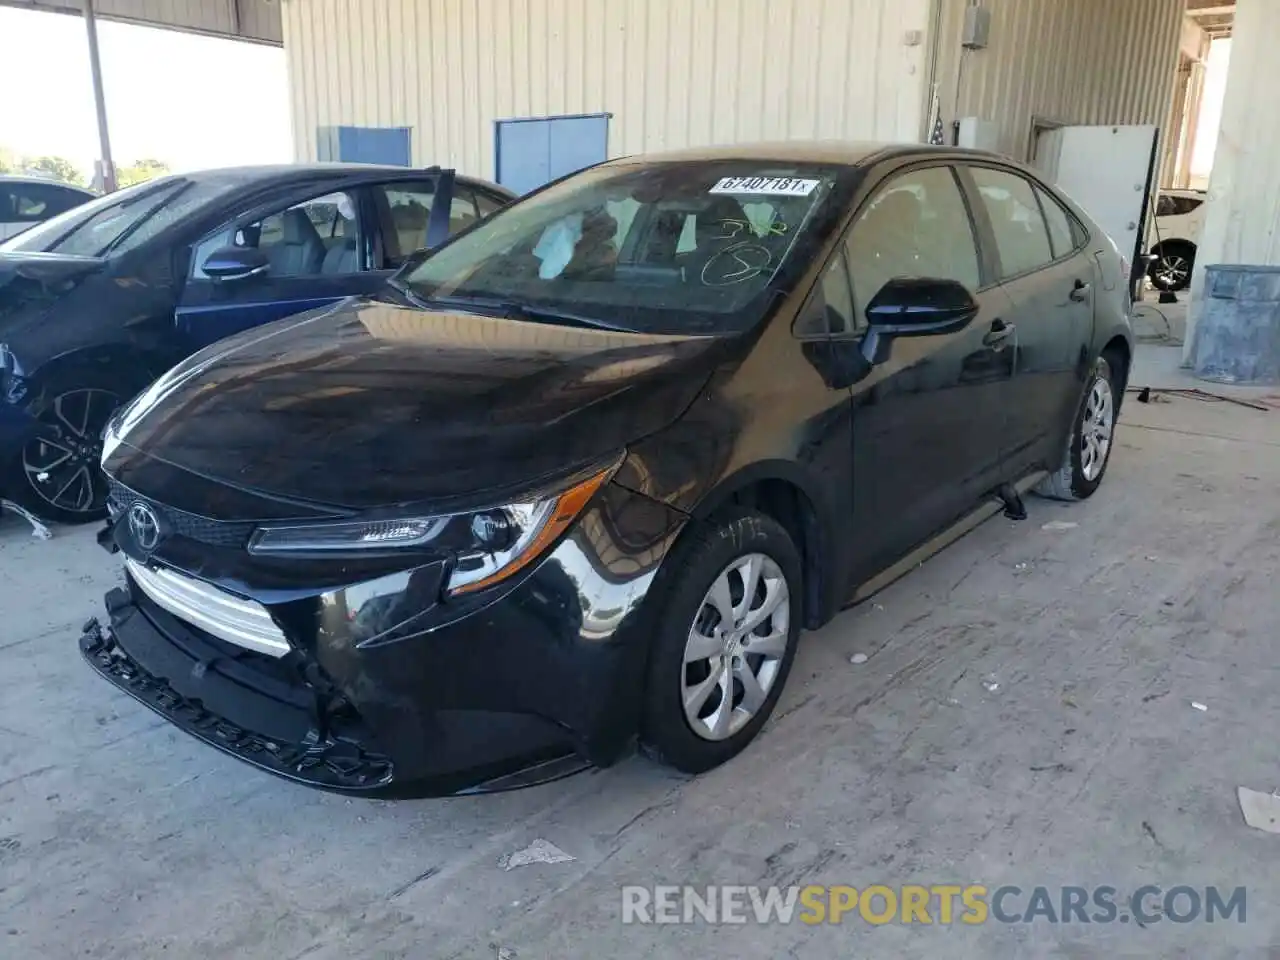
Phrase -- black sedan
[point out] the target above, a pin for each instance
(580, 476)
(99, 301)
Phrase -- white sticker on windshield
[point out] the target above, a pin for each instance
(766, 186)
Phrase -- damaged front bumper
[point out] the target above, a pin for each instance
(523, 688)
(323, 761)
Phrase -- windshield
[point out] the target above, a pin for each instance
(117, 222)
(690, 247)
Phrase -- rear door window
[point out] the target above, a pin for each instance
(462, 209)
(487, 203)
(1062, 237)
(405, 211)
(1021, 234)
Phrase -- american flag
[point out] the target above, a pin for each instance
(937, 136)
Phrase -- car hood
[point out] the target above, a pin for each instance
(372, 403)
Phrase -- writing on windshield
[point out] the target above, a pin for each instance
(659, 247)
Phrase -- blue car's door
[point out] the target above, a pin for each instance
(314, 251)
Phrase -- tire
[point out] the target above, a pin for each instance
(734, 546)
(1171, 270)
(59, 405)
(1085, 464)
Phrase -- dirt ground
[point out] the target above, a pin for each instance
(1024, 716)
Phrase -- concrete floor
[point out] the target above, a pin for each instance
(122, 838)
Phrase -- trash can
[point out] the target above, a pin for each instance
(1237, 338)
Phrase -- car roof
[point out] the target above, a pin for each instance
(267, 175)
(854, 153)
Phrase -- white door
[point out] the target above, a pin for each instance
(1106, 170)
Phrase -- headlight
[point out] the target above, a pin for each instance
(487, 546)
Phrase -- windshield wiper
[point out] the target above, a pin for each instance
(517, 310)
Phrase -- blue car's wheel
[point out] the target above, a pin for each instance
(57, 475)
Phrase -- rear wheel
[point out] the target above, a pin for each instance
(57, 475)
(1089, 449)
(729, 622)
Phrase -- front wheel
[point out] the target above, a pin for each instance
(1089, 449)
(727, 629)
(58, 476)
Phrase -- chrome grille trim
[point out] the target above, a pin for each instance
(244, 623)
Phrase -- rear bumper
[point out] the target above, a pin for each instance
(539, 683)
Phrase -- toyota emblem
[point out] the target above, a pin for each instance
(145, 526)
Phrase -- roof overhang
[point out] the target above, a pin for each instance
(257, 21)
(1215, 17)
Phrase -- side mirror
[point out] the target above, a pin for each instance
(916, 306)
(235, 263)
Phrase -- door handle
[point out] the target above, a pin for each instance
(999, 332)
(1080, 292)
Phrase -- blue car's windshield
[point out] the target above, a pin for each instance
(117, 222)
(690, 247)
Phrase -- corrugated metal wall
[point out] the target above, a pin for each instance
(672, 73)
(1067, 61)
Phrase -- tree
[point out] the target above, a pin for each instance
(8, 161)
(58, 168)
(140, 171)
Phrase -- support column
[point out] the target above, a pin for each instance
(1191, 126)
(1175, 125)
(1242, 223)
(99, 100)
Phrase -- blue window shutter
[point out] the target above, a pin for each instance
(365, 145)
(533, 152)
(524, 154)
(577, 142)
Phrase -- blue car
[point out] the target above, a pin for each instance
(99, 301)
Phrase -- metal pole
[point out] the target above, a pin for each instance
(99, 100)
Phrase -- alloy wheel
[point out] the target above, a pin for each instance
(1173, 271)
(1095, 429)
(736, 646)
(62, 464)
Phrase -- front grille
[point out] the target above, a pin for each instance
(216, 533)
(242, 622)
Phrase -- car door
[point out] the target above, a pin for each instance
(1048, 279)
(317, 251)
(929, 418)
